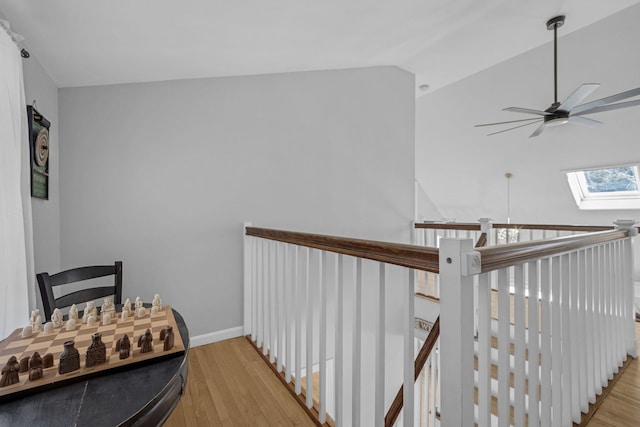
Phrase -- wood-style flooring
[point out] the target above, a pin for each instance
(230, 385)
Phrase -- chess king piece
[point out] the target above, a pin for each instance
(69, 358)
(123, 345)
(167, 336)
(56, 318)
(108, 306)
(90, 310)
(157, 302)
(35, 367)
(146, 342)
(96, 352)
(36, 321)
(10, 372)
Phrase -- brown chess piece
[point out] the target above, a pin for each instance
(146, 342)
(123, 346)
(96, 352)
(10, 372)
(69, 358)
(167, 337)
(35, 367)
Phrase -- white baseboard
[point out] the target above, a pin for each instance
(212, 337)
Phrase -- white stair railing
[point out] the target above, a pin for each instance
(578, 291)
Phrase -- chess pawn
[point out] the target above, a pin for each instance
(106, 318)
(47, 360)
(48, 327)
(91, 321)
(71, 324)
(24, 364)
(142, 312)
(56, 318)
(27, 331)
(69, 358)
(154, 310)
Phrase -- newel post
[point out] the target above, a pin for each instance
(458, 262)
(629, 287)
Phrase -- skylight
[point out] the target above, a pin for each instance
(607, 188)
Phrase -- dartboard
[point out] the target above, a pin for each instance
(41, 151)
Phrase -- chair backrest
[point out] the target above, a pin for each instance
(47, 282)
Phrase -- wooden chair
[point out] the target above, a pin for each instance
(47, 283)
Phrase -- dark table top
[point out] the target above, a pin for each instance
(140, 396)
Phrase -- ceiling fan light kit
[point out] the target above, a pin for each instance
(560, 113)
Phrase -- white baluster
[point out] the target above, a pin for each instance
(582, 349)
(248, 270)
(556, 342)
(545, 347)
(504, 312)
(520, 344)
(279, 350)
(273, 314)
(380, 349)
(590, 329)
(408, 359)
(300, 298)
(357, 348)
(288, 306)
(566, 339)
(265, 296)
(339, 368)
(533, 344)
(322, 281)
(309, 337)
(484, 350)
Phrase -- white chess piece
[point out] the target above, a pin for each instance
(91, 321)
(71, 324)
(157, 302)
(56, 318)
(154, 310)
(48, 327)
(90, 310)
(73, 312)
(138, 303)
(36, 321)
(124, 315)
(108, 306)
(106, 318)
(141, 312)
(27, 331)
(127, 307)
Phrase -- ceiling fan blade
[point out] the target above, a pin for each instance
(537, 131)
(580, 109)
(584, 121)
(581, 93)
(609, 107)
(504, 123)
(515, 127)
(526, 110)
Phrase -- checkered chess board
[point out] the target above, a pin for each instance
(43, 343)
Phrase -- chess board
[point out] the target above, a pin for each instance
(43, 343)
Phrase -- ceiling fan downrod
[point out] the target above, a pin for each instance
(553, 24)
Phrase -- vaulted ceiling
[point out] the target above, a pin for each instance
(83, 43)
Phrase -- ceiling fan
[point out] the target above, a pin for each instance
(568, 111)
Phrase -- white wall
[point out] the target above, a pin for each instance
(45, 213)
(463, 170)
(162, 175)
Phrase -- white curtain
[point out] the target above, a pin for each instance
(14, 303)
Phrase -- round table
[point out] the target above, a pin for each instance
(139, 396)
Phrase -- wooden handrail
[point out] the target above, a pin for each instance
(482, 241)
(472, 226)
(418, 257)
(502, 256)
(476, 227)
(421, 360)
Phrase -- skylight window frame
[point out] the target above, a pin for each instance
(608, 200)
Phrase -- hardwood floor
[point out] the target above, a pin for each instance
(230, 385)
(621, 408)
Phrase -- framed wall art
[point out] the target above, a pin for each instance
(39, 149)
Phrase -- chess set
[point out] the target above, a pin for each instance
(53, 343)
